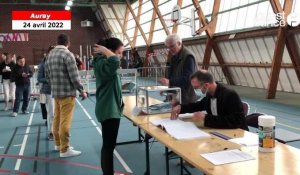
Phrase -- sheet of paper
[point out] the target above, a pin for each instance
(188, 115)
(166, 121)
(249, 139)
(228, 156)
(180, 129)
(187, 130)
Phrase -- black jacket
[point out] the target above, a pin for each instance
(17, 75)
(229, 108)
(182, 66)
(6, 75)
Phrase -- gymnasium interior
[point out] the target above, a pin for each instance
(249, 46)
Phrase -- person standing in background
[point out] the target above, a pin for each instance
(86, 62)
(123, 64)
(9, 86)
(14, 58)
(90, 60)
(182, 66)
(3, 57)
(40, 80)
(21, 75)
(109, 103)
(62, 74)
(46, 100)
(78, 62)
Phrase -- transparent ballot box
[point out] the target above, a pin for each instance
(157, 99)
(128, 79)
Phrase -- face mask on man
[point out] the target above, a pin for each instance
(200, 94)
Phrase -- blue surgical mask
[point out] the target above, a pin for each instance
(199, 94)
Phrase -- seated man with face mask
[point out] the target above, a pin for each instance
(223, 106)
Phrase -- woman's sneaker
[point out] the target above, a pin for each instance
(57, 148)
(14, 114)
(70, 153)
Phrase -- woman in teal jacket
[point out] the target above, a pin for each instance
(109, 103)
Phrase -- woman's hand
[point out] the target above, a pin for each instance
(98, 48)
(101, 49)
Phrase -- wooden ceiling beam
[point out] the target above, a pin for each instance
(293, 50)
(105, 22)
(207, 53)
(276, 62)
(149, 50)
(222, 63)
(152, 25)
(136, 30)
(287, 7)
(120, 23)
(210, 43)
(202, 19)
(275, 4)
(214, 16)
(126, 19)
(210, 40)
(157, 11)
(136, 22)
(279, 48)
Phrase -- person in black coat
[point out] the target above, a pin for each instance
(223, 107)
(21, 76)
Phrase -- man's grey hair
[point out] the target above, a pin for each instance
(173, 38)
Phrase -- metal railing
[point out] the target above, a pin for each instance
(150, 76)
(145, 76)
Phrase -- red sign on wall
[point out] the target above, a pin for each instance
(41, 20)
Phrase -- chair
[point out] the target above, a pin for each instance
(252, 119)
(246, 108)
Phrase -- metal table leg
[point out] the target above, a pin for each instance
(139, 140)
(167, 160)
(181, 166)
(147, 137)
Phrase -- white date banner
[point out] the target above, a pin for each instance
(41, 25)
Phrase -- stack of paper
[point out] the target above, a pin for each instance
(228, 156)
(181, 130)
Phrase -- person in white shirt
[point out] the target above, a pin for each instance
(8, 84)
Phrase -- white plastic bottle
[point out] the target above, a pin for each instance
(266, 133)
